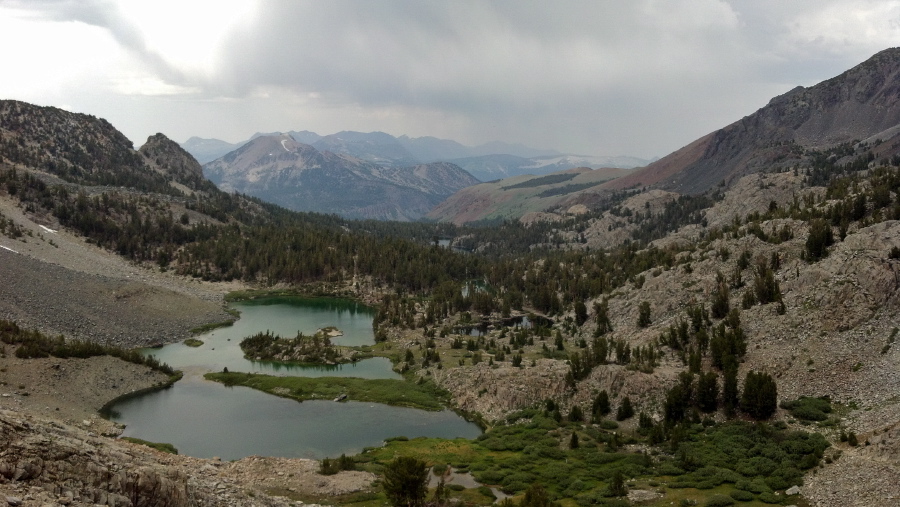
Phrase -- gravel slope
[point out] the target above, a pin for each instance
(58, 283)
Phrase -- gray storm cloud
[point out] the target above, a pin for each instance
(639, 77)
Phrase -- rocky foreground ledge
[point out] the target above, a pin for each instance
(46, 462)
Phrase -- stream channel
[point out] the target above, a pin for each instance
(205, 419)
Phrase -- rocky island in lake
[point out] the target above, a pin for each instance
(302, 349)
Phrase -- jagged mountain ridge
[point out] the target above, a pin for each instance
(858, 104)
(298, 176)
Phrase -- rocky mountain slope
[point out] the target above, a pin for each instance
(297, 176)
(861, 104)
(78, 148)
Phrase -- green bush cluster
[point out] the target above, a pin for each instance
(330, 466)
(807, 408)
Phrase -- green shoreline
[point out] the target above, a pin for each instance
(399, 393)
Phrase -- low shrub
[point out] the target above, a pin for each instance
(769, 497)
(34, 344)
(719, 501)
(807, 408)
(742, 496)
(488, 492)
(330, 466)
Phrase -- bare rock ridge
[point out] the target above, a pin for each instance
(297, 176)
(858, 104)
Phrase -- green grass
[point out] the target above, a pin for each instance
(399, 393)
(193, 342)
(169, 448)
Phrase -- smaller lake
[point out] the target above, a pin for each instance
(204, 419)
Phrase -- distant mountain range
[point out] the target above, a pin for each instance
(486, 162)
(279, 169)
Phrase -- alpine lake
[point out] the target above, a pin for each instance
(205, 419)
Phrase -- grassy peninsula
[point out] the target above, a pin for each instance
(401, 393)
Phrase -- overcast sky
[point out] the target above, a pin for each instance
(625, 77)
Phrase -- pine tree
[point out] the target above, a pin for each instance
(760, 396)
(580, 312)
(617, 485)
(708, 392)
(625, 411)
(405, 482)
(730, 385)
(601, 406)
(576, 415)
(644, 314)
